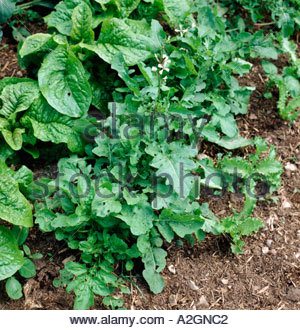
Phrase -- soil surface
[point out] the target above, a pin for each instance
(208, 275)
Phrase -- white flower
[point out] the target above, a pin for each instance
(181, 30)
(162, 64)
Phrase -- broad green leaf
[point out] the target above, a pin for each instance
(17, 97)
(14, 139)
(105, 201)
(84, 298)
(209, 132)
(250, 225)
(176, 165)
(28, 269)
(266, 52)
(166, 231)
(269, 67)
(11, 258)
(134, 39)
(44, 219)
(126, 7)
(14, 207)
(99, 287)
(143, 243)
(24, 177)
(76, 268)
(291, 48)
(155, 258)
(20, 234)
(123, 7)
(182, 224)
(5, 151)
(63, 83)
(13, 288)
(61, 17)
(293, 85)
(239, 66)
(50, 126)
(237, 165)
(269, 166)
(227, 123)
(178, 10)
(118, 64)
(11, 81)
(234, 143)
(63, 220)
(139, 218)
(155, 281)
(82, 21)
(39, 42)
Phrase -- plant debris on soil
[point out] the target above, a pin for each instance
(208, 275)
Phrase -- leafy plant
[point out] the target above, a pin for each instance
(287, 83)
(131, 100)
(15, 209)
(18, 235)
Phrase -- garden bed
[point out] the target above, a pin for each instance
(208, 275)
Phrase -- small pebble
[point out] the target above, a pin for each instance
(203, 302)
(172, 269)
(265, 250)
(253, 116)
(193, 286)
(269, 243)
(291, 167)
(224, 281)
(173, 300)
(294, 294)
(286, 204)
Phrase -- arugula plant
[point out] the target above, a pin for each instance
(119, 203)
(287, 83)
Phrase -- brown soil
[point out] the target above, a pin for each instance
(266, 276)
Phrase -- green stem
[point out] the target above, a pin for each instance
(264, 24)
